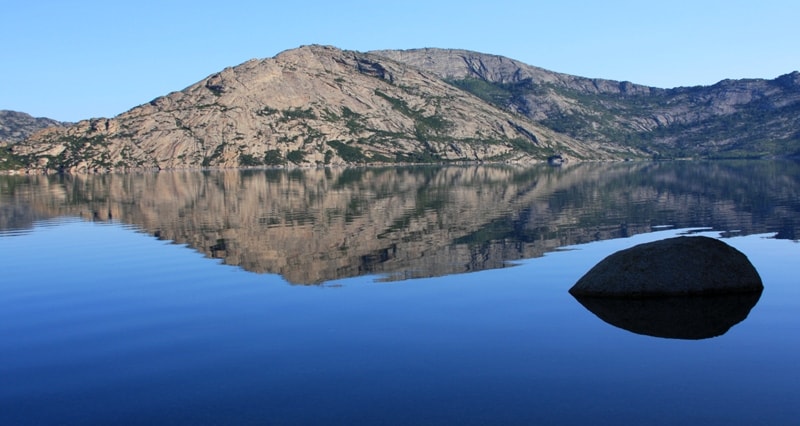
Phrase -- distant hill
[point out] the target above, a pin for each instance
(319, 105)
(18, 126)
(733, 118)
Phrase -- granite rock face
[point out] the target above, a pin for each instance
(310, 106)
(681, 266)
(323, 106)
(733, 118)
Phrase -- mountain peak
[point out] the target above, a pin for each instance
(310, 106)
(318, 105)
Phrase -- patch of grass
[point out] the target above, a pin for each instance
(353, 120)
(425, 127)
(296, 156)
(208, 161)
(501, 94)
(398, 104)
(91, 150)
(266, 112)
(286, 139)
(273, 157)
(312, 134)
(348, 153)
(247, 160)
(298, 114)
(380, 158)
(11, 161)
(418, 157)
(330, 116)
(526, 146)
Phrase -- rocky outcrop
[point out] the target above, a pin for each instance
(682, 266)
(678, 288)
(459, 64)
(315, 105)
(18, 126)
(732, 118)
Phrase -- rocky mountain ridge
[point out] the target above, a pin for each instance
(17, 126)
(311, 106)
(733, 118)
(322, 106)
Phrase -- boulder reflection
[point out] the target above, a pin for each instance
(688, 317)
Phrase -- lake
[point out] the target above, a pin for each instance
(417, 295)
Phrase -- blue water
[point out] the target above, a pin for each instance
(101, 323)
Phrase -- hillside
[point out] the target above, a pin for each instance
(733, 118)
(319, 105)
(17, 126)
(314, 105)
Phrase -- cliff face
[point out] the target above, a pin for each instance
(731, 118)
(313, 105)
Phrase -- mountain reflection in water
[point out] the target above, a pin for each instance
(312, 226)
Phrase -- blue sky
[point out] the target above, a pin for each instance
(71, 60)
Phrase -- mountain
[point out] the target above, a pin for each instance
(18, 126)
(733, 118)
(315, 105)
(319, 105)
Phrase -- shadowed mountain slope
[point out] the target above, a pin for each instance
(17, 126)
(733, 118)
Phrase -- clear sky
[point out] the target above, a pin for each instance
(71, 60)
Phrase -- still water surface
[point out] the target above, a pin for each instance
(382, 296)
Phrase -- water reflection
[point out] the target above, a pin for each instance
(688, 317)
(312, 226)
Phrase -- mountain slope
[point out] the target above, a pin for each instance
(731, 118)
(17, 126)
(318, 105)
(308, 106)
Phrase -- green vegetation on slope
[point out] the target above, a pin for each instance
(754, 129)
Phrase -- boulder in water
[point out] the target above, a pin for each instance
(681, 266)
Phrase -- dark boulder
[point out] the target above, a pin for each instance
(680, 266)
